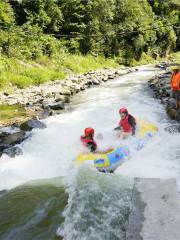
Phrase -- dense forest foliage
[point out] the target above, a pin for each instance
(126, 29)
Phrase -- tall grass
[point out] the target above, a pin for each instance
(23, 74)
(81, 64)
(12, 114)
(175, 57)
(145, 59)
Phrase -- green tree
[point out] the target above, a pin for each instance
(6, 14)
(6, 23)
(45, 14)
(73, 23)
(133, 21)
(168, 19)
(99, 31)
(125, 28)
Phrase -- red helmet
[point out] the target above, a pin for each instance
(89, 131)
(123, 110)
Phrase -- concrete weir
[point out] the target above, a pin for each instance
(155, 211)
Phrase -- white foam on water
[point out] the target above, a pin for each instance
(98, 206)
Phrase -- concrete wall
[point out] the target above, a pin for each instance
(155, 211)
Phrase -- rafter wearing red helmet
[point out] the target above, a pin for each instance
(88, 139)
(127, 123)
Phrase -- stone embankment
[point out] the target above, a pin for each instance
(162, 89)
(46, 100)
(155, 211)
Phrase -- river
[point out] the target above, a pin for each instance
(44, 196)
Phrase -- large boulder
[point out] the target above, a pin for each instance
(95, 81)
(57, 105)
(173, 114)
(171, 103)
(54, 105)
(31, 124)
(111, 76)
(58, 97)
(65, 91)
(44, 114)
(104, 78)
(13, 151)
(173, 129)
(178, 116)
(11, 138)
(165, 100)
(3, 146)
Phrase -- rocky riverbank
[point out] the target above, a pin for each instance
(51, 97)
(46, 100)
(162, 90)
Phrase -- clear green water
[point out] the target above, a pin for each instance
(93, 206)
(32, 212)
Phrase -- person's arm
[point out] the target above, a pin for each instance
(132, 122)
(117, 128)
(92, 146)
(172, 79)
(105, 151)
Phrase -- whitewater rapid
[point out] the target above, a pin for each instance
(50, 152)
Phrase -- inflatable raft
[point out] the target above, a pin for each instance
(110, 160)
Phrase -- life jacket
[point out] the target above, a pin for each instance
(87, 141)
(175, 81)
(124, 124)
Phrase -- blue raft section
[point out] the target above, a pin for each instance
(112, 159)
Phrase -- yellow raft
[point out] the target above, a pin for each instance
(110, 160)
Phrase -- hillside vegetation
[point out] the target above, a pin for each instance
(45, 40)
